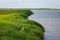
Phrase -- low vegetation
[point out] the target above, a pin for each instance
(14, 25)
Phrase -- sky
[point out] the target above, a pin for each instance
(29, 3)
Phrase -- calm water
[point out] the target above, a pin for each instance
(50, 19)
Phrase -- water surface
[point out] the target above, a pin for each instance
(50, 19)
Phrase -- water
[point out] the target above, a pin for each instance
(50, 19)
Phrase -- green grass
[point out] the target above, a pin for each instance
(14, 25)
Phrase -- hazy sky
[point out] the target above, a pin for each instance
(30, 3)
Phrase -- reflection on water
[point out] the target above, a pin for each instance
(50, 19)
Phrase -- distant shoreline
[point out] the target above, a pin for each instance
(33, 8)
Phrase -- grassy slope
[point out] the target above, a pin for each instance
(14, 25)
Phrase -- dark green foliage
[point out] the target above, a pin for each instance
(14, 25)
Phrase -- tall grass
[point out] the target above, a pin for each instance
(14, 25)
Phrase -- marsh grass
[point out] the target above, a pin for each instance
(14, 25)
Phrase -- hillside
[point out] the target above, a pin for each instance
(14, 25)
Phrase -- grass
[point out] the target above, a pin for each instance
(14, 25)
